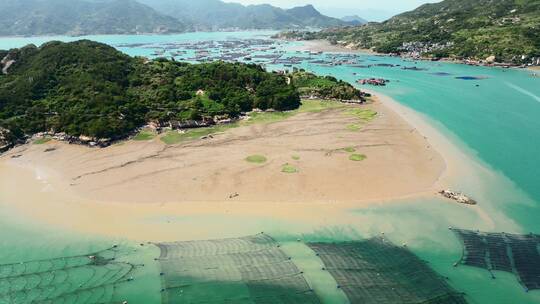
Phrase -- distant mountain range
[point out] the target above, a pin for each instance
(489, 30)
(354, 20)
(216, 15)
(83, 17)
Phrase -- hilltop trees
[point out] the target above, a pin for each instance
(324, 87)
(88, 88)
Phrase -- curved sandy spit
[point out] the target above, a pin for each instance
(127, 191)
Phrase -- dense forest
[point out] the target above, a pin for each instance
(505, 30)
(91, 89)
(328, 87)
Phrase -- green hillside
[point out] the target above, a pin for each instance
(90, 89)
(216, 14)
(328, 87)
(506, 29)
(82, 17)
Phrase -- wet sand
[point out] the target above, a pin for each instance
(399, 162)
(141, 190)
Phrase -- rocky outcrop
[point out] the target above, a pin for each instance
(81, 140)
(6, 63)
(458, 197)
(5, 143)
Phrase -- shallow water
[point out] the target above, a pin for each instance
(492, 116)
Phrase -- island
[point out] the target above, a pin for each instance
(211, 132)
(88, 92)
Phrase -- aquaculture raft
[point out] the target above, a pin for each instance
(518, 254)
(378, 272)
(89, 279)
(240, 270)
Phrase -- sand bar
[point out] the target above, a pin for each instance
(128, 188)
(326, 46)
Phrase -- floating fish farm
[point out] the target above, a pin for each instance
(242, 270)
(377, 272)
(517, 254)
(90, 279)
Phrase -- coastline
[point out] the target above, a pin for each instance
(195, 170)
(325, 46)
(122, 209)
(464, 171)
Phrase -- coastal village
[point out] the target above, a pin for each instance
(417, 50)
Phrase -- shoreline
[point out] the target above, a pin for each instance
(326, 46)
(318, 139)
(463, 169)
(127, 219)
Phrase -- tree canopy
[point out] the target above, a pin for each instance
(91, 89)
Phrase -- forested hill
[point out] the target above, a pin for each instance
(216, 14)
(82, 17)
(506, 29)
(89, 89)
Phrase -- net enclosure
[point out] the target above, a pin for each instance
(376, 271)
(89, 279)
(518, 254)
(251, 269)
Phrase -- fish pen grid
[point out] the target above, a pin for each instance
(238, 270)
(88, 279)
(376, 271)
(518, 254)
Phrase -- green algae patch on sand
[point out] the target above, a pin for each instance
(256, 159)
(269, 117)
(349, 149)
(43, 140)
(176, 137)
(364, 115)
(295, 157)
(357, 157)
(144, 135)
(354, 127)
(316, 106)
(287, 168)
(308, 106)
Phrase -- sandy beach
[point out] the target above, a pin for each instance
(325, 46)
(399, 162)
(127, 185)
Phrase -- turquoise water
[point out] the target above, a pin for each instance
(494, 119)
